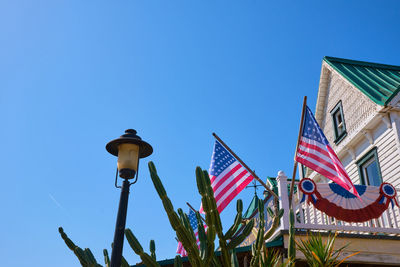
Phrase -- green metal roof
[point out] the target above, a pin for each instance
(252, 207)
(379, 82)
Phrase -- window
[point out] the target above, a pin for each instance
(338, 123)
(369, 170)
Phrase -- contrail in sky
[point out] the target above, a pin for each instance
(56, 202)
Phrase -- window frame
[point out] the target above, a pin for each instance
(372, 154)
(334, 111)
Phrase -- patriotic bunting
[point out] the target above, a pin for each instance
(339, 203)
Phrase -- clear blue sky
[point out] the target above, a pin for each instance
(76, 74)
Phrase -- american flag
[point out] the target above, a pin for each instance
(193, 223)
(228, 177)
(315, 153)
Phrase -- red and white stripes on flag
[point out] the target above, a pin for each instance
(228, 177)
(315, 152)
(180, 250)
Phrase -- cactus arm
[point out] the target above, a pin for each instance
(225, 255)
(124, 263)
(275, 224)
(178, 261)
(138, 249)
(234, 260)
(212, 214)
(202, 237)
(255, 255)
(258, 249)
(208, 193)
(238, 220)
(270, 212)
(261, 227)
(182, 233)
(85, 257)
(215, 262)
(240, 238)
(89, 257)
(291, 245)
(234, 227)
(67, 241)
(80, 254)
(186, 223)
(210, 245)
(153, 249)
(106, 258)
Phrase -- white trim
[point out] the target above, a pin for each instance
(395, 121)
(281, 179)
(351, 152)
(395, 101)
(324, 81)
(347, 228)
(368, 135)
(385, 118)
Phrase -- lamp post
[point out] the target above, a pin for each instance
(128, 148)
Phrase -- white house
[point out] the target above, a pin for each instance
(358, 108)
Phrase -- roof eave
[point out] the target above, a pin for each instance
(395, 93)
(322, 94)
(381, 103)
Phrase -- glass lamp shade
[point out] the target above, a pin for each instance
(128, 158)
(129, 147)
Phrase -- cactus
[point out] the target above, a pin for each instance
(292, 244)
(138, 249)
(261, 255)
(178, 261)
(203, 256)
(106, 258)
(85, 256)
(153, 249)
(234, 259)
(179, 223)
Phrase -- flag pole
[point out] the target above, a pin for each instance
(190, 206)
(295, 152)
(247, 168)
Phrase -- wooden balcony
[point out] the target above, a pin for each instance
(308, 217)
(377, 240)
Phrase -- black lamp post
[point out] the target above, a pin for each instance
(128, 148)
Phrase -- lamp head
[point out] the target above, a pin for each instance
(129, 147)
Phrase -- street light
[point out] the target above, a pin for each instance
(128, 148)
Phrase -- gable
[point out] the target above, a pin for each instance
(379, 82)
(358, 108)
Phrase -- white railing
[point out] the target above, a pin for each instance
(308, 217)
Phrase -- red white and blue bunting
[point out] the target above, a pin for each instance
(335, 201)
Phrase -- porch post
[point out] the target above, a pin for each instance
(281, 179)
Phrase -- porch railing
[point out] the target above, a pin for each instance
(308, 217)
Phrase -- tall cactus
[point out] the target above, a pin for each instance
(178, 261)
(85, 256)
(292, 244)
(203, 256)
(138, 249)
(261, 256)
(179, 223)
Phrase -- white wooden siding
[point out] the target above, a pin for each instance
(388, 156)
(358, 109)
